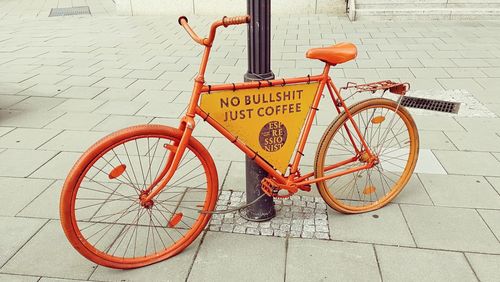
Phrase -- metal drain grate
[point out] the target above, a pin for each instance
(429, 104)
(70, 11)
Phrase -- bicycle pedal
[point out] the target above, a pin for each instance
(306, 188)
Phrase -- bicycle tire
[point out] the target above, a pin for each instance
(179, 224)
(366, 198)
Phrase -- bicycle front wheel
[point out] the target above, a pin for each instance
(100, 207)
(391, 135)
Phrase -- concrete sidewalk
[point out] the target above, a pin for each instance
(67, 81)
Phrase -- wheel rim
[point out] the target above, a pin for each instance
(393, 139)
(108, 217)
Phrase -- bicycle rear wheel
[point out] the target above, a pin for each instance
(390, 133)
(101, 213)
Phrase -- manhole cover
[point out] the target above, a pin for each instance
(430, 104)
(70, 11)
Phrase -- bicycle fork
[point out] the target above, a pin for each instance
(174, 158)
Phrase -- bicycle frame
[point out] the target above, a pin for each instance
(187, 124)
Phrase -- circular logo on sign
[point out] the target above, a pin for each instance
(272, 136)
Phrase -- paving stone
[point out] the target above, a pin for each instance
(19, 278)
(428, 163)
(48, 279)
(149, 84)
(77, 80)
(413, 193)
(5, 130)
(469, 163)
(113, 72)
(460, 83)
(235, 179)
(37, 104)
(470, 62)
(77, 121)
(424, 83)
(429, 72)
(384, 226)
(460, 191)
(116, 122)
(232, 261)
(469, 141)
(27, 138)
(435, 140)
(118, 94)
(120, 107)
(488, 96)
(408, 264)
(492, 219)
(480, 125)
(81, 92)
(159, 96)
(485, 266)
(27, 118)
(114, 82)
(78, 105)
(9, 100)
(294, 219)
(49, 242)
(465, 72)
(87, 71)
(45, 90)
(162, 110)
(330, 261)
(58, 167)
(21, 163)
(144, 74)
(494, 108)
(15, 233)
(73, 141)
(495, 182)
(24, 190)
(172, 269)
(16, 77)
(449, 229)
(222, 149)
(437, 123)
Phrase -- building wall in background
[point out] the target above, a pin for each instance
(226, 7)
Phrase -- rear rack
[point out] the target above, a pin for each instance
(399, 88)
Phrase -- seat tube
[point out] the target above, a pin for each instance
(310, 118)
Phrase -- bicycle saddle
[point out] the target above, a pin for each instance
(335, 54)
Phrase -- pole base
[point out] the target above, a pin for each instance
(257, 217)
(263, 209)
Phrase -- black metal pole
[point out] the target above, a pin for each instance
(259, 68)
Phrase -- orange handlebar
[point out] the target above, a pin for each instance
(224, 22)
(235, 20)
(184, 22)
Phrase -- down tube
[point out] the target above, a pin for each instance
(233, 139)
(307, 128)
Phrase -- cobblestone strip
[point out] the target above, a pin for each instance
(297, 217)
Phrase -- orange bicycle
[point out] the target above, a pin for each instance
(142, 194)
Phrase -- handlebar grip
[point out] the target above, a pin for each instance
(235, 20)
(182, 18)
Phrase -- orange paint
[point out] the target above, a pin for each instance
(175, 220)
(378, 119)
(290, 180)
(369, 190)
(117, 171)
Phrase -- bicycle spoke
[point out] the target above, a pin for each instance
(115, 221)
